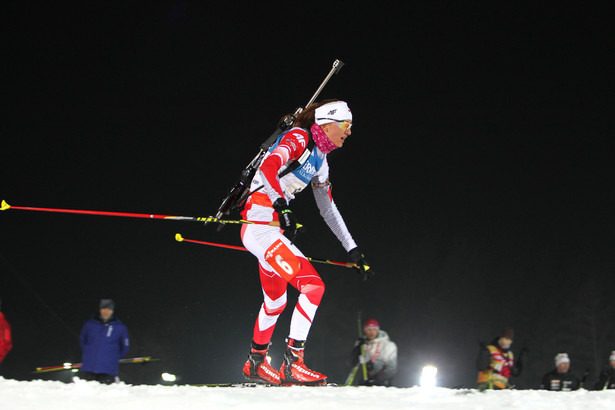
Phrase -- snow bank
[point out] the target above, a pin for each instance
(51, 395)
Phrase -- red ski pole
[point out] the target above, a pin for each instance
(179, 238)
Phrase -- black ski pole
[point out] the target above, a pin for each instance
(4, 206)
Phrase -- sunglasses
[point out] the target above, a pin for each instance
(344, 125)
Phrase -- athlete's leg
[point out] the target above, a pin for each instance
(311, 286)
(274, 293)
(257, 240)
(281, 262)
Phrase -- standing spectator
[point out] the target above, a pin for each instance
(560, 378)
(606, 380)
(496, 363)
(379, 355)
(104, 341)
(6, 342)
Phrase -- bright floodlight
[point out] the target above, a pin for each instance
(168, 377)
(67, 365)
(428, 376)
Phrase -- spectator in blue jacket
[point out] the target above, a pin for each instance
(104, 341)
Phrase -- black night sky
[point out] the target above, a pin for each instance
(477, 180)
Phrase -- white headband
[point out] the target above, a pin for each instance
(612, 355)
(561, 358)
(332, 112)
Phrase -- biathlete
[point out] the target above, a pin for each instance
(327, 124)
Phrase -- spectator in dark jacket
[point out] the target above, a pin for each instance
(560, 378)
(104, 341)
(606, 380)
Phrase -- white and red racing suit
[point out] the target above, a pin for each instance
(280, 261)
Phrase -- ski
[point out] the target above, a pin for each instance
(70, 366)
(258, 384)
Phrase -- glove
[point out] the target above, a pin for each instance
(361, 267)
(288, 222)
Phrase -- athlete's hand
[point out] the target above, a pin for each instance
(288, 221)
(361, 267)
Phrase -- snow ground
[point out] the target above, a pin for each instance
(51, 395)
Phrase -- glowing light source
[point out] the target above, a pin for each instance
(67, 365)
(168, 377)
(428, 376)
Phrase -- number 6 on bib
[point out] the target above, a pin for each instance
(283, 260)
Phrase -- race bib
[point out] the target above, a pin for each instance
(282, 260)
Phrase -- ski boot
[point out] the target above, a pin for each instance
(294, 370)
(258, 368)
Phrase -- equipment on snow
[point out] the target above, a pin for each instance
(239, 193)
(259, 384)
(70, 366)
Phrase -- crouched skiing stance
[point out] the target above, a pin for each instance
(296, 159)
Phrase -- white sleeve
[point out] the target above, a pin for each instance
(321, 187)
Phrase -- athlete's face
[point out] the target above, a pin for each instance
(337, 131)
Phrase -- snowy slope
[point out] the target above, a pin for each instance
(51, 395)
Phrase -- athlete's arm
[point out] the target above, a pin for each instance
(289, 149)
(328, 209)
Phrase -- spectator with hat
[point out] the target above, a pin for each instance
(560, 378)
(606, 380)
(379, 355)
(496, 363)
(104, 341)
